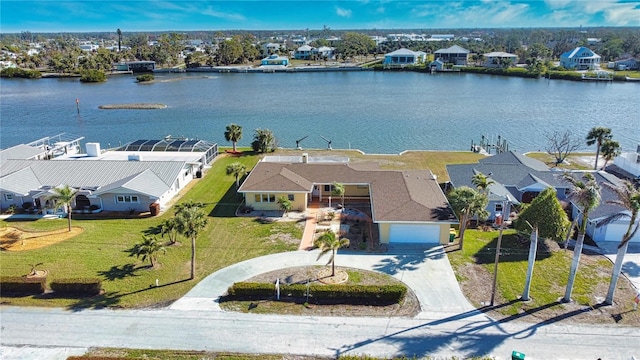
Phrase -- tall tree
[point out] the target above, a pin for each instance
(191, 221)
(610, 149)
(628, 197)
(337, 189)
(237, 169)
(545, 217)
(148, 248)
(482, 182)
(329, 242)
(263, 141)
(598, 135)
(586, 195)
(233, 134)
(63, 197)
(560, 145)
(467, 203)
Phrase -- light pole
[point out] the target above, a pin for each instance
(505, 210)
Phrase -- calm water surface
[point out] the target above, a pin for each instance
(372, 111)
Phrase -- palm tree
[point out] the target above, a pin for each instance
(598, 135)
(285, 204)
(467, 203)
(338, 190)
(628, 197)
(63, 197)
(329, 242)
(148, 248)
(191, 221)
(586, 195)
(482, 182)
(170, 227)
(237, 169)
(233, 134)
(610, 149)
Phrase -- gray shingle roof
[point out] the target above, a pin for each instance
(402, 196)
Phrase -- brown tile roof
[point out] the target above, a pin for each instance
(401, 196)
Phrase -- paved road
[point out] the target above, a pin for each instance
(447, 326)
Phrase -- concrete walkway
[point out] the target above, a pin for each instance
(425, 270)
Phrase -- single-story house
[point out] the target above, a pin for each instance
(455, 54)
(519, 179)
(406, 206)
(275, 59)
(580, 58)
(402, 57)
(629, 63)
(130, 178)
(499, 59)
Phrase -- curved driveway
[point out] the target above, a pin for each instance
(426, 271)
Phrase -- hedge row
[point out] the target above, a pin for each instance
(77, 287)
(21, 285)
(320, 293)
(20, 73)
(513, 71)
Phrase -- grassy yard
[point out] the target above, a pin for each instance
(573, 160)
(550, 277)
(102, 249)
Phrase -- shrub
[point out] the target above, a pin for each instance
(21, 285)
(20, 73)
(565, 75)
(92, 76)
(145, 77)
(320, 293)
(77, 286)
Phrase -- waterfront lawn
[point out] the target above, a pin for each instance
(407, 160)
(474, 268)
(102, 250)
(573, 161)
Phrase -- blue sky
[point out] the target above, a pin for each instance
(151, 15)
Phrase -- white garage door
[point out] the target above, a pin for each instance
(414, 233)
(615, 231)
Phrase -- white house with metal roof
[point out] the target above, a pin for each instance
(129, 179)
(498, 59)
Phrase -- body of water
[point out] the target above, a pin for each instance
(376, 112)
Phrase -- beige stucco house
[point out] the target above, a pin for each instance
(407, 206)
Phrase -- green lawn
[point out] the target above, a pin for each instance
(550, 275)
(102, 249)
(573, 162)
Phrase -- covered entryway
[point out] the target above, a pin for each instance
(414, 234)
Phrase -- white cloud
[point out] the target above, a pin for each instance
(343, 12)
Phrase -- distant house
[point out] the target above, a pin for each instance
(580, 58)
(455, 55)
(402, 57)
(303, 53)
(271, 48)
(499, 59)
(519, 179)
(275, 60)
(135, 177)
(323, 52)
(406, 206)
(629, 63)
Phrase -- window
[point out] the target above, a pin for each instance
(498, 208)
(290, 197)
(327, 188)
(8, 197)
(127, 199)
(265, 198)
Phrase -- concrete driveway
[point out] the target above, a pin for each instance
(631, 264)
(425, 270)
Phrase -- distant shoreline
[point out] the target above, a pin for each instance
(136, 106)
